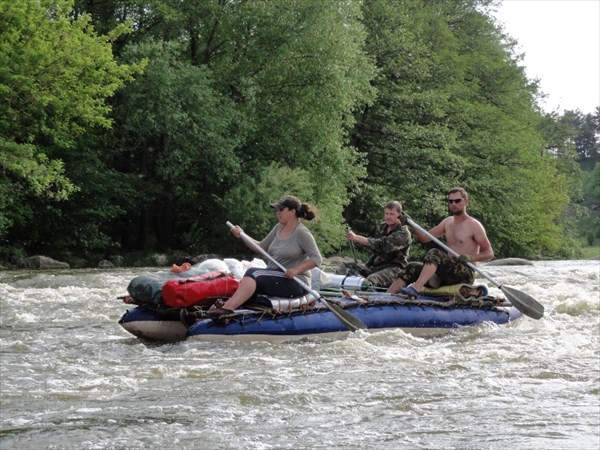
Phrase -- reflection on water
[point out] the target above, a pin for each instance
(72, 378)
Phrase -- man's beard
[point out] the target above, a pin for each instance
(459, 212)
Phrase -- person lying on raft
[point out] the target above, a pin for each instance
(292, 245)
(463, 233)
(184, 267)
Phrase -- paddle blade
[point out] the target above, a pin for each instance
(351, 322)
(523, 302)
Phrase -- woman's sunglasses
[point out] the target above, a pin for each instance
(454, 200)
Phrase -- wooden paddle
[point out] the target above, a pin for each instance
(520, 300)
(349, 321)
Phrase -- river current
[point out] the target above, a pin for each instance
(72, 378)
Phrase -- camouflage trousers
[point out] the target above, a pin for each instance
(449, 270)
(376, 278)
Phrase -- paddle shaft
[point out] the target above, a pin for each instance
(351, 322)
(352, 248)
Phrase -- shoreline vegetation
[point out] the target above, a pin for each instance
(136, 127)
(590, 252)
(163, 260)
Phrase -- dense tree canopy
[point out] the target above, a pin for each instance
(142, 125)
(455, 108)
(56, 75)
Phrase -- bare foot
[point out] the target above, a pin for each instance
(183, 268)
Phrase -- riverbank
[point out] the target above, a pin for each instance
(166, 259)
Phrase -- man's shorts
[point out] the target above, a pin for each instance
(377, 278)
(385, 277)
(449, 269)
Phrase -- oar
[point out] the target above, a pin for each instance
(349, 321)
(520, 300)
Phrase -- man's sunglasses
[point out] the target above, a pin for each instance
(454, 200)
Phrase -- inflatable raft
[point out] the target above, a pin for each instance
(174, 307)
(421, 316)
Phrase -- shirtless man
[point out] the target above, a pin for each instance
(464, 234)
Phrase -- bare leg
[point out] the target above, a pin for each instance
(395, 287)
(426, 273)
(243, 293)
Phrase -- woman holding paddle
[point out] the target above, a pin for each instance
(291, 244)
(465, 235)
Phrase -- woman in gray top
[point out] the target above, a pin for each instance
(292, 245)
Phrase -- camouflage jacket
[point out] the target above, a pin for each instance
(389, 250)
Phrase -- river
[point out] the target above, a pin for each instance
(72, 378)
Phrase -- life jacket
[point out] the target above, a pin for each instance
(201, 290)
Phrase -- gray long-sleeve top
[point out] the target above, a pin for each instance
(290, 252)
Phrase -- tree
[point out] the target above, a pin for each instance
(297, 79)
(345, 104)
(178, 133)
(455, 108)
(231, 89)
(585, 136)
(55, 77)
(573, 141)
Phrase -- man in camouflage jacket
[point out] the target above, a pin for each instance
(389, 248)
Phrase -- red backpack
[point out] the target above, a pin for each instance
(201, 290)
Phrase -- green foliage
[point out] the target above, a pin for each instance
(56, 75)
(276, 181)
(297, 79)
(237, 93)
(455, 108)
(56, 72)
(592, 185)
(43, 177)
(590, 252)
(587, 136)
(345, 104)
(573, 141)
(173, 116)
(178, 134)
(589, 223)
